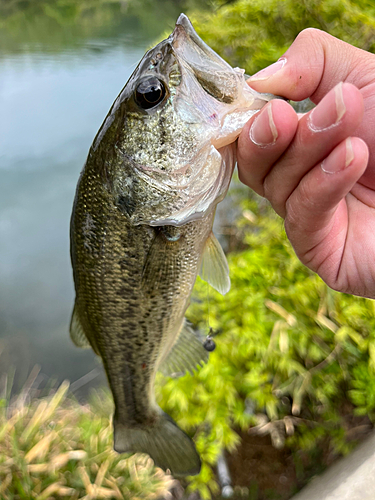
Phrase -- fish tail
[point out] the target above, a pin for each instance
(168, 446)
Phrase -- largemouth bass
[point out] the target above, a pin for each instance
(141, 230)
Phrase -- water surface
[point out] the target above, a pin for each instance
(60, 71)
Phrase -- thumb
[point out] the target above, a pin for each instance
(313, 64)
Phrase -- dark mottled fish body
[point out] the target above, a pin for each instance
(128, 326)
(142, 229)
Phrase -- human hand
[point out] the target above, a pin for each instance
(319, 172)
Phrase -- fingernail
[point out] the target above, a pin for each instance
(329, 111)
(269, 71)
(336, 162)
(263, 131)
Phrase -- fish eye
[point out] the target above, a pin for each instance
(149, 93)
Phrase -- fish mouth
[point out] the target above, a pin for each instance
(214, 74)
(184, 32)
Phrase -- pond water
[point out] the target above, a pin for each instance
(61, 66)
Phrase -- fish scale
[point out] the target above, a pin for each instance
(114, 330)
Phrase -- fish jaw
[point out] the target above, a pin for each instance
(207, 190)
(234, 101)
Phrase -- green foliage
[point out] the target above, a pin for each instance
(57, 448)
(284, 336)
(254, 33)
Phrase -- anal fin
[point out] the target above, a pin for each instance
(186, 354)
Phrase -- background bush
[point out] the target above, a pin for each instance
(254, 33)
(291, 355)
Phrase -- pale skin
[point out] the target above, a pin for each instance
(318, 170)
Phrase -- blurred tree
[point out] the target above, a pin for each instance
(56, 25)
(254, 33)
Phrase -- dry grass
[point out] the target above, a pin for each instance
(56, 448)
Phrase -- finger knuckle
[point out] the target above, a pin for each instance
(242, 177)
(251, 182)
(274, 195)
(312, 42)
(310, 34)
(292, 219)
(301, 202)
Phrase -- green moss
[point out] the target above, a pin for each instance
(57, 448)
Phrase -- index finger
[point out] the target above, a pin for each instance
(313, 64)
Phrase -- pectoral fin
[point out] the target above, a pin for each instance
(186, 354)
(214, 267)
(161, 259)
